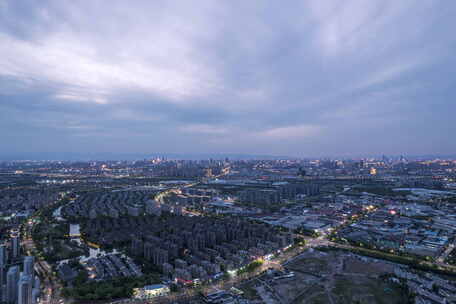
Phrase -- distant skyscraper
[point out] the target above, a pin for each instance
(15, 246)
(29, 262)
(25, 287)
(12, 279)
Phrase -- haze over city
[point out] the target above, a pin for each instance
(314, 78)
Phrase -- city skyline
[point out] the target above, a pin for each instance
(112, 156)
(309, 80)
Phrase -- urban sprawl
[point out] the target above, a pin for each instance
(157, 230)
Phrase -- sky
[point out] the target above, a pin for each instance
(298, 78)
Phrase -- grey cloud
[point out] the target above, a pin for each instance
(312, 78)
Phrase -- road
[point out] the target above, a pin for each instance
(277, 263)
(52, 287)
(441, 259)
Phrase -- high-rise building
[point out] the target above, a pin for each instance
(15, 246)
(12, 279)
(159, 256)
(25, 287)
(262, 196)
(137, 247)
(3, 298)
(3, 254)
(3, 261)
(29, 262)
(37, 283)
(35, 295)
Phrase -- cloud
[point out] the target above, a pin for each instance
(204, 129)
(238, 76)
(80, 74)
(300, 131)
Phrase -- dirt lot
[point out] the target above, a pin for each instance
(363, 290)
(335, 278)
(362, 265)
(300, 285)
(316, 266)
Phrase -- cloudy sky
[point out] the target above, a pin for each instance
(310, 78)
